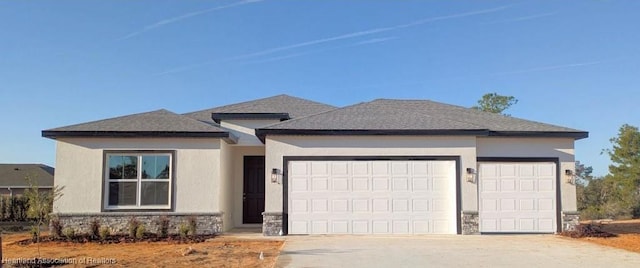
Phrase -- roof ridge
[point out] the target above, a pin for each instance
(313, 115)
(243, 103)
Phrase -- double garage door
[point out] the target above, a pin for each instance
(416, 197)
(372, 197)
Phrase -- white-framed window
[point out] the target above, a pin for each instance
(136, 180)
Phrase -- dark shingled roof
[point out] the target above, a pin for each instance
(160, 123)
(13, 175)
(415, 117)
(294, 107)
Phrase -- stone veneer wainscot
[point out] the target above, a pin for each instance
(207, 223)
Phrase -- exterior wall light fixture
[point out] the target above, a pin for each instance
(471, 175)
(274, 175)
(570, 176)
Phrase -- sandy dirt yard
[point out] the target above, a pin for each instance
(628, 234)
(216, 252)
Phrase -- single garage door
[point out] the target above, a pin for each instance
(371, 197)
(517, 197)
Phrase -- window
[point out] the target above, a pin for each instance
(138, 180)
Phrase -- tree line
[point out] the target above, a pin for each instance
(617, 194)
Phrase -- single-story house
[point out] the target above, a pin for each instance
(13, 178)
(295, 166)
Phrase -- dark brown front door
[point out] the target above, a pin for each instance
(253, 196)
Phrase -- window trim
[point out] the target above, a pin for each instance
(139, 154)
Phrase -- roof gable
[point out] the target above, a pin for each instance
(281, 104)
(160, 123)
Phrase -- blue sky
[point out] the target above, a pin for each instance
(575, 64)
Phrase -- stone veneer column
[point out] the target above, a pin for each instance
(272, 223)
(569, 220)
(470, 223)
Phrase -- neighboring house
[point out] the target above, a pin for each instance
(295, 166)
(13, 180)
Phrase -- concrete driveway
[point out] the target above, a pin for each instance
(450, 251)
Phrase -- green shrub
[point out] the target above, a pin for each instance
(184, 230)
(69, 233)
(105, 232)
(140, 231)
(133, 226)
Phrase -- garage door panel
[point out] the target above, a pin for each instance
(360, 184)
(489, 185)
(546, 224)
(527, 185)
(421, 205)
(380, 167)
(401, 227)
(360, 226)
(380, 205)
(361, 205)
(401, 205)
(374, 197)
(340, 184)
(527, 170)
(507, 171)
(548, 170)
(339, 169)
(441, 226)
(400, 184)
(300, 206)
(546, 185)
(507, 185)
(507, 205)
(420, 168)
(298, 227)
(489, 225)
(381, 184)
(420, 184)
(319, 226)
(547, 204)
(523, 201)
(400, 168)
(527, 225)
(319, 206)
(359, 168)
(527, 204)
(340, 205)
(299, 185)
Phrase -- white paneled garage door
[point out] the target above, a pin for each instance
(371, 197)
(517, 197)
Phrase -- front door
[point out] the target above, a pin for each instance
(253, 191)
